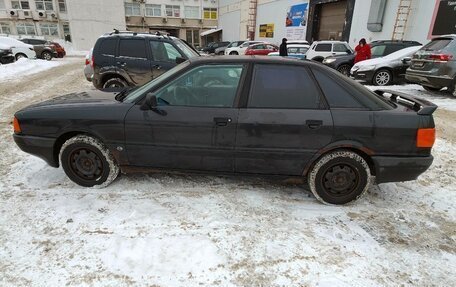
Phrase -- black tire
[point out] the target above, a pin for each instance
(20, 55)
(452, 89)
(344, 69)
(339, 177)
(88, 162)
(115, 82)
(46, 56)
(382, 77)
(318, 59)
(234, 53)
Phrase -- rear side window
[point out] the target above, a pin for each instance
(393, 48)
(283, 87)
(108, 47)
(132, 48)
(437, 45)
(378, 51)
(323, 48)
(335, 94)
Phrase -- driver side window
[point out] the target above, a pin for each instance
(204, 86)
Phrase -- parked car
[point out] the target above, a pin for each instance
(240, 50)
(88, 68)
(122, 59)
(210, 48)
(221, 50)
(434, 65)
(59, 49)
(44, 49)
(20, 50)
(242, 115)
(343, 63)
(262, 49)
(319, 50)
(385, 70)
(298, 42)
(297, 51)
(6, 54)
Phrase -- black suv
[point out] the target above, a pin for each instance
(122, 59)
(343, 63)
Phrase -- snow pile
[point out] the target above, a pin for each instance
(69, 48)
(25, 67)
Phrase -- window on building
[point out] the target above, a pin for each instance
(66, 32)
(62, 6)
(132, 9)
(44, 5)
(192, 12)
(2, 5)
(25, 29)
(5, 28)
(172, 11)
(210, 13)
(193, 37)
(153, 10)
(49, 29)
(20, 5)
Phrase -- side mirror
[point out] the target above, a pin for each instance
(150, 103)
(180, 60)
(406, 60)
(348, 52)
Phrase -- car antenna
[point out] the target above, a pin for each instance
(116, 31)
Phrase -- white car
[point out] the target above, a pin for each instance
(297, 51)
(319, 50)
(20, 49)
(240, 50)
(297, 42)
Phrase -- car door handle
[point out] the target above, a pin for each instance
(122, 64)
(314, 124)
(221, 122)
(158, 67)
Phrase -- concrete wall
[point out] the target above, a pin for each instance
(233, 18)
(90, 19)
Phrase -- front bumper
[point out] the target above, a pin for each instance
(7, 59)
(38, 146)
(364, 76)
(429, 80)
(393, 169)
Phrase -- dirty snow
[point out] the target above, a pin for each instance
(196, 230)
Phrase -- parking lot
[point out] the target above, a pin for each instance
(191, 230)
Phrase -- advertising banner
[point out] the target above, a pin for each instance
(266, 30)
(444, 19)
(296, 22)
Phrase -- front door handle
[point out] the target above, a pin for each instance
(221, 122)
(314, 124)
(158, 67)
(122, 64)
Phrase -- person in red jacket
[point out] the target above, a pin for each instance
(363, 51)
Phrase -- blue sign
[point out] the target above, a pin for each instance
(297, 15)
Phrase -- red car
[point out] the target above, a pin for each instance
(59, 49)
(261, 49)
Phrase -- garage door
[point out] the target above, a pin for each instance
(332, 19)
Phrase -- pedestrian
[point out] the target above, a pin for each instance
(363, 51)
(283, 48)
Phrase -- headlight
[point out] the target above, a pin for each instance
(366, 68)
(328, 61)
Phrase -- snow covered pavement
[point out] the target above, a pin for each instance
(188, 230)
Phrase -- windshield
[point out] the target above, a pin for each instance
(134, 95)
(189, 52)
(234, 44)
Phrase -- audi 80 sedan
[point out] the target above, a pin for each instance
(241, 115)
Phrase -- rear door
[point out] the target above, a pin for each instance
(284, 122)
(163, 56)
(133, 60)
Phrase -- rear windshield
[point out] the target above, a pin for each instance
(437, 44)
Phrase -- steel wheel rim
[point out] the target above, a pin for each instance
(86, 164)
(382, 78)
(340, 179)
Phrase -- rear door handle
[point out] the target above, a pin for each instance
(314, 124)
(122, 64)
(158, 67)
(221, 122)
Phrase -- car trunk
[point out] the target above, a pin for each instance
(433, 56)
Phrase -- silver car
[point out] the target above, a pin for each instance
(88, 69)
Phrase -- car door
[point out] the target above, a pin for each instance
(284, 122)
(194, 124)
(340, 49)
(133, 60)
(323, 50)
(163, 56)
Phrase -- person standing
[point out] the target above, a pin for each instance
(363, 51)
(283, 48)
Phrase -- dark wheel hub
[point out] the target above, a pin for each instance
(86, 164)
(340, 179)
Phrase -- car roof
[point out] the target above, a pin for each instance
(444, 36)
(329, 42)
(248, 59)
(298, 46)
(138, 34)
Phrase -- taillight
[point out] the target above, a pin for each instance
(16, 126)
(87, 62)
(425, 138)
(441, 57)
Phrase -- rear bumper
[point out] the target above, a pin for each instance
(429, 80)
(38, 146)
(393, 169)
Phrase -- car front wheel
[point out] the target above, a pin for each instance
(46, 56)
(88, 162)
(20, 56)
(339, 177)
(383, 78)
(234, 53)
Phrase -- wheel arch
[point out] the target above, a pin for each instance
(110, 75)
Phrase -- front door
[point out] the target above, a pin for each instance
(133, 60)
(164, 56)
(194, 127)
(284, 123)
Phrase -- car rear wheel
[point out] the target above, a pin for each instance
(339, 177)
(20, 56)
(344, 70)
(115, 83)
(383, 78)
(88, 162)
(452, 89)
(234, 53)
(46, 56)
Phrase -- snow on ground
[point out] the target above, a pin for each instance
(26, 67)
(70, 49)
(196, 230)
